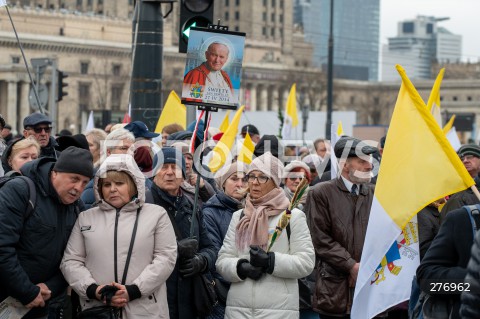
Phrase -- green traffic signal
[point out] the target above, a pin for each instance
(186, 32)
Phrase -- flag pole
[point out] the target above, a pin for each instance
(475, 191)
(25, 61)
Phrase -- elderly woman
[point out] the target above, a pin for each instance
(99, 249)
(294, 173)
(263, 270)
(94, 138)
(19, 153)
(217, 214)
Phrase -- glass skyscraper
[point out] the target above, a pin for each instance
(356, 29)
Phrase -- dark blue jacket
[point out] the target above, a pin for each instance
(31, 248)
(179, 289)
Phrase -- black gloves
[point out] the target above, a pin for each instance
(187, 248)
(244, 270)
(192, 266)
(262, 259)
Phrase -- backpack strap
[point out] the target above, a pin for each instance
(32, 200)
(474, 215)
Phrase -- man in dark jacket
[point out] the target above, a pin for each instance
(39, 126)
(471, 299)
(195, 255)
(31, 247)
(338, 212)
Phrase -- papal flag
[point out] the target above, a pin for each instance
(246, 152)
(226, 121)
(173, 112)
(3, 3)
(222, 150)
(434, 100)
(418, 167)
(336, 132)
(90, 123)
(290, 119)
(451, 133)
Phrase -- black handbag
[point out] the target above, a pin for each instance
(204, 296)
(110, 312)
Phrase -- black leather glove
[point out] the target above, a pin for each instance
(187, 248)
(260, 258)
(193, 266)
(245, 269)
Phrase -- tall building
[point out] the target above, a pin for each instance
(356, 30)
(420, 43)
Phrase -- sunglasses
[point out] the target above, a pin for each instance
(39, 129)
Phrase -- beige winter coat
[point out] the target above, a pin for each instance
(89, 256)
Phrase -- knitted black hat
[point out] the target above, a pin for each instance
(75, 160)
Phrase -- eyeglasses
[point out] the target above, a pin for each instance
(294, 178)
(262, 179)
(467, 157)
(39, 129)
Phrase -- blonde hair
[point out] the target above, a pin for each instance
(118, 176)
(23, 144)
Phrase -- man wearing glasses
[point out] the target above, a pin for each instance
(470, 156)
(39, 126)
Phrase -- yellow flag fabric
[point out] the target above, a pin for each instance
(421, 163)
(434, 100)
(246, 153)
(223, 147)
(223, 127)
(339, 129)
(449, 124)
(291, 117)
(173, 112)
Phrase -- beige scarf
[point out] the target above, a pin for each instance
(252, 229)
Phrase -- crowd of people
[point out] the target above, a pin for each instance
(126, 219)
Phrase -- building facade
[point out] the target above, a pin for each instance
(356, 35)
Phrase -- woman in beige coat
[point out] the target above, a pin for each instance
(88, 262)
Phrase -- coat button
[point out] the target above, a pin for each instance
(150, 297)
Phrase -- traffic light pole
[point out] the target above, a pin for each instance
(147, 56)
(52, 102)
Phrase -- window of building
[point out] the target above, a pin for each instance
(237, 15)
(79, 3)
(280, 18)
(264, 31)
(226, 3)
(441, 98)
(117, 90)
(84, 67)
(455, 98)
(408, 27)
(89, 3)
(15, 59)
(272, 17)
(264, 16)
(237, 28)
(226, 16)
(469, 98)
(429, 28)
(177, 71)
(100, 1)
(273, 3)
(237, 2)
(376, 100)
(352, 100)
(272, 32)
(281, 4)
(83, 91)
(116, 69)
(264, 3)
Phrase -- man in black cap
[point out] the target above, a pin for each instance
(39, 126)
(252, 131)
(7, 134)
(31, 247)
(338, 212)
(470, 156)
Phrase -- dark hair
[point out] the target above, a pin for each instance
(2, 122)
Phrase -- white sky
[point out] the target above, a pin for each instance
(464, 19)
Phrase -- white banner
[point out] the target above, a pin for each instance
(3, 3)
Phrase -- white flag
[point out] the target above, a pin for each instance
(452, 137)
(90, 123)
(3, 3)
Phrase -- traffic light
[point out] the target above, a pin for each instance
(193, 13)
(61, 76)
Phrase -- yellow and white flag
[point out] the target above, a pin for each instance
(418, 167)
(3, 3)
(451, 134)
(434, 100)
(173, 112)
(246, 152)
(222, 150)
(290, 119)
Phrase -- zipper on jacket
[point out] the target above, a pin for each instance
(154, 298)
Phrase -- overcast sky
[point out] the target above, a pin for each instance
(464, 19)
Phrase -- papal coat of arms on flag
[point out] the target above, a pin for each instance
(196, 91)
(406, 246)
